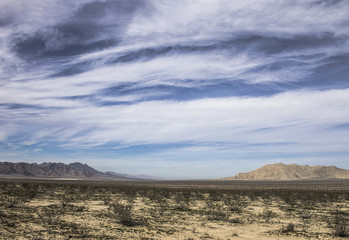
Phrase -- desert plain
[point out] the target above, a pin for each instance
(139, 209)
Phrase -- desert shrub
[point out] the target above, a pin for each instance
(11, 202)
(28, 191)
(162, 207)
(66, 199)
(267, 214)
(159, 209)
(288, 228)
(199, 196)
(235, 203)
(15, 194)
(80, 208)
(155, 195)
(305, 217)
(131, 195)
(124, 212)
(339, 224)
(215, 195)
(216, 211)
(267, 201)
(107, 200)
(3, 217)
(83, 189)
(290, 199)
(252, 196)
(182, 201)
(308, 201)
(49, 216)
(236, 220)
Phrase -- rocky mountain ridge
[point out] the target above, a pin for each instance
(280, 171)
(52, 169)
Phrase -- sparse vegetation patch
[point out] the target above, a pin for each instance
(170, 210)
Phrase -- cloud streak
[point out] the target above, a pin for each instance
(193, 76)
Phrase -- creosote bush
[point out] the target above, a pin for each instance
(235, 204)
(267, 214)
(288, 228)
(123, 211)
(216, 211)
(339, 224)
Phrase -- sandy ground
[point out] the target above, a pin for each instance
(53, 211)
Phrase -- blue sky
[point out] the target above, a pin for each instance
(175, 89)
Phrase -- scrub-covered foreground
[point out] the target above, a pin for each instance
(150, 210)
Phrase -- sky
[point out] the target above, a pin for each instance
(175, 89)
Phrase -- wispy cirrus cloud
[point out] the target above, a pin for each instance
(175, 78)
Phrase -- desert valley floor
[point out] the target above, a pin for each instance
(66, 209)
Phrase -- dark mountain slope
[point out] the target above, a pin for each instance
(52, 169)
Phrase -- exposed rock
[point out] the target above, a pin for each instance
(52, 169)
(280, 171)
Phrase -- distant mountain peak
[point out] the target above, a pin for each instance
(281, 171)
(54, 169)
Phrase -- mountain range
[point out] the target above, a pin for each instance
(280, 171)
(57, 170)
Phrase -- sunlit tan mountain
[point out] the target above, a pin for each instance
(280, 171)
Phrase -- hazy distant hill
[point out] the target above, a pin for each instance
(280, 171)
(51, 169)
(133, 176)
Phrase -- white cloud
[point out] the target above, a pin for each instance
(300, 117)
(296, 122)
(23, 18)
(197, 20)
(3, 136)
